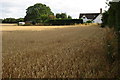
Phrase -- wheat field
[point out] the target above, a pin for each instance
(76, 51)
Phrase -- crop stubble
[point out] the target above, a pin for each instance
(70, 52)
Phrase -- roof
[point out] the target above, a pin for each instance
(89, 15)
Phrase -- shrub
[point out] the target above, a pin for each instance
(89, 21)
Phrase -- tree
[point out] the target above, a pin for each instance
(9, 20)
(69, 17)
(58, 15)
(105, 19)
(39, 12)
(20, 20)
(61, 16)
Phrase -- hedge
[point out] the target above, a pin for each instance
(65, 21)
(111, 18)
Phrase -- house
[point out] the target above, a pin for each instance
(94, 17)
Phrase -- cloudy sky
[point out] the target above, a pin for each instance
(17, 8)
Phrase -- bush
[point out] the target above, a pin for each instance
(89, 22)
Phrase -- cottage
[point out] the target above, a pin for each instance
(94, 17)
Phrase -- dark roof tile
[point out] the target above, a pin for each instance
(89, 15)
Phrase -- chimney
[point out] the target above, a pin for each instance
(100, 10)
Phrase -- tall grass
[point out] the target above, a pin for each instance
(112, 44)
(112, 50)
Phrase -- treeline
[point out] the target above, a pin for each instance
(40, 14)
(12, 20)
(56, 21)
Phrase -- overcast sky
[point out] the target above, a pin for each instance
(17, 8)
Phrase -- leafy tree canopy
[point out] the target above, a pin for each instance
(69, 17)
(58, 15)
(20, 20)
(62, 16)
(38, 12)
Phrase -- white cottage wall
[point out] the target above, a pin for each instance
(84, 18)
(98, 19)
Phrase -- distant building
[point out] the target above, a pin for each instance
(94, 17)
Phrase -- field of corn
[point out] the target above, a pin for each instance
(77, 51)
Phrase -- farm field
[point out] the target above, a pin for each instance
(54, 52)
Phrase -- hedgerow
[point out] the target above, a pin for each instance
(65, 21)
